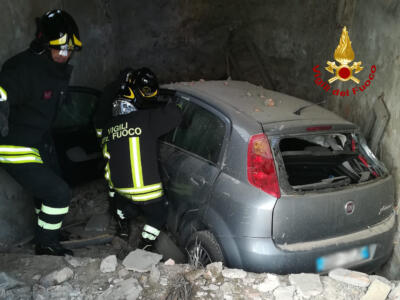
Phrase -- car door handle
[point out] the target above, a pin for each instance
(198, 180)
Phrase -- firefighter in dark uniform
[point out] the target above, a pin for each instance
(32, 86)
(129, 141)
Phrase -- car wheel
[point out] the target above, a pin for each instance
(203, 249)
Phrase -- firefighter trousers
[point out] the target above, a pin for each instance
(50, 192)
(154, 212)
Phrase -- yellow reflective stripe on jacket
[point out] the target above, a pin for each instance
(54, 211)
(99, 132)
(106, 154)
(49, 226)
(136, 162)
(3, 94)
(144, 197)
(8, 149)
(144, 189)
(20, 159)
(19, 154)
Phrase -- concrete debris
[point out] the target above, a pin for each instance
(269, 102)
(194, 275)
(249, 94)
(169, 262)
(154, 275)
(129, 289)
(284, 292)
(234, 273)
(350, 277)
(269, 284)
(109, 264)
(141, 261)
(78, 261)
(8, 282)
(307, 285)
(395, 293)
(215, 268)
(378, 290)
(57, 277)
(123, 273)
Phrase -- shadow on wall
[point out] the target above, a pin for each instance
(16, 213)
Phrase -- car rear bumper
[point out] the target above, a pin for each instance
(263, 255)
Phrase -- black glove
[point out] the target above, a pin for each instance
(3, 125)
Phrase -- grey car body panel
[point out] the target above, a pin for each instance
(244, 219)
(262, 255)
(320, 215)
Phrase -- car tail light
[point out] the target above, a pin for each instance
(260, 165)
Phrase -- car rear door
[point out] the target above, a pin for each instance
(190, 156)
(332, 185)
(75, 138)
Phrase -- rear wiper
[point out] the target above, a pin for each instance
(297, 112)
(324, 183)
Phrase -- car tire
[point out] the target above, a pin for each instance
(203, 248)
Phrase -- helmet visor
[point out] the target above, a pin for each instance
(122, 107)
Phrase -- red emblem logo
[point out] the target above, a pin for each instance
(47, 95)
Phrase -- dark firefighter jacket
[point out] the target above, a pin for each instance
(34, 86)
(130, 145)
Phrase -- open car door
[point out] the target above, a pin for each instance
(75, 138)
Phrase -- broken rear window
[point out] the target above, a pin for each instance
(330, 160)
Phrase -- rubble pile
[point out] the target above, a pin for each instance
(141, 275)
(110, 270)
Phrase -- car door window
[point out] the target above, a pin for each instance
(77, 109)
(200, 132)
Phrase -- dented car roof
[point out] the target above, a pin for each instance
(265, 106)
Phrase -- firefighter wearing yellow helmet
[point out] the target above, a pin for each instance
(32, 86)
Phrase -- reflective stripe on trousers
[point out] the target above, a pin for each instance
(19, 155)
(55, 214)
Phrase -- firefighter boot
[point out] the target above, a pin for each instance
(148, 238)
(47, 243)
(123, 228)
(52, 249)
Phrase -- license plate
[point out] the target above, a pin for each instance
(340, 259)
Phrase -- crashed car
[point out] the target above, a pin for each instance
(271, 183)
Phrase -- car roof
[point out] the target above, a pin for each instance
(254, 101)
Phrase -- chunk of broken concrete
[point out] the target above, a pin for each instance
(350, 277)
(141, 261)
(109, 264)
(57, 277)
(378, 290)
(128, 289)
(234, 273)
(7, 282)
(307, 285)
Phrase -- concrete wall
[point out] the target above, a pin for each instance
(375, 36)
(96, 20)
(186, 40)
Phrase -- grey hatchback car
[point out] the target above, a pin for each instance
(269, 183)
